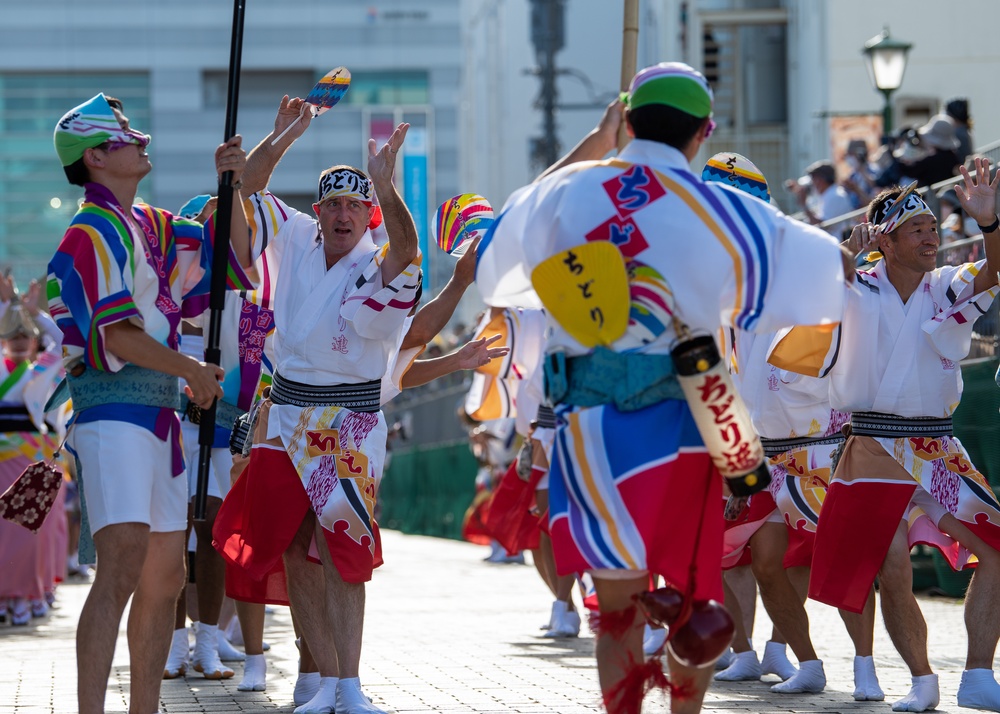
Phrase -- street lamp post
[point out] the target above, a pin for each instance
(885, 60)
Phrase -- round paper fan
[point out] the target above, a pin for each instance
(460, 220)
(737, 171)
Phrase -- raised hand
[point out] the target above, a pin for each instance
(33, 300)
(382, 162)
(611, 122)
(7, 288)
(295, 111)
(978, 195)
(478, 353)
(465, 268)
(865, 237)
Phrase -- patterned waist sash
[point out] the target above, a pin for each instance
(892, 426)
(546, 418)
(14, 419)
(630, 381)
(130, 385)
(226, 414)
(363, 397)
(775, 447)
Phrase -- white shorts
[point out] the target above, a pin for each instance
(126, 477)
(219, 466)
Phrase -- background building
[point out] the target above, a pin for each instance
(168, 63)
(464, 74)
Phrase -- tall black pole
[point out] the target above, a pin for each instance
(220, 262)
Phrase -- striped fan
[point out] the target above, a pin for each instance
(460, 220)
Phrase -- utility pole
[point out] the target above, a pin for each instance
(548, 35)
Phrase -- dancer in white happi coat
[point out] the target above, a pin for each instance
(630, 462)
(903, 477)
(339, 304)
(800, 433)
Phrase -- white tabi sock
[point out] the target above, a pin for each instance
(177, 659)
(745, 667)
(306, 686)
(775, 661)
(725, 660)
(810, 679)
(254, 674)
(227, 653)
(979, 690)
(866, 688)
(351, 700)
(325, 699)
(206, 653)
(924, 694)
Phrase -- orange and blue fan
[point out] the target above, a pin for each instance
(737, 171)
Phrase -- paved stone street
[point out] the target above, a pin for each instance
(447, 632)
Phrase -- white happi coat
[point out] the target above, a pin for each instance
(904, 359)
(710, 254)
(332, 327)
(782, 404)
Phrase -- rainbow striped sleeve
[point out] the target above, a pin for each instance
(89, 286)
(266, 215)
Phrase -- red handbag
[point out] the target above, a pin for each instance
(29, 499)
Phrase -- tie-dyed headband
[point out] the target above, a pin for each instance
(913, 205)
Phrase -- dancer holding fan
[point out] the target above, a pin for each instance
(629, 466)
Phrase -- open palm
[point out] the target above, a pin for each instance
(978, 195)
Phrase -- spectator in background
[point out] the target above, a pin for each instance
(860, 185)
(938, 138)
(958, 111)
(827, 200)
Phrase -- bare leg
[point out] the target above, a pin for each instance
(740, 590)
(150, 620)
(980, 600)
(903, 619)
(782, 602)
(210, 568)
(618, 653)
(345, 610)
(122, 548)
(861, 627)
(251, 617)
(180, 611)
(741, 600)
(542, 556)
(307, 594)
(979, 688)
(694, 682)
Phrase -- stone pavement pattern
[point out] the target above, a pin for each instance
(446, 632)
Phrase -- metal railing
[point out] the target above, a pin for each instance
(986, 331)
